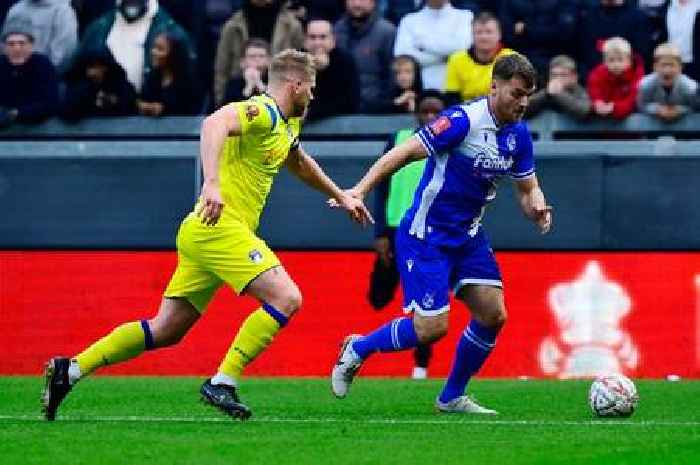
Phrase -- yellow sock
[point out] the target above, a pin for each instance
(124, 342)
(254, 335)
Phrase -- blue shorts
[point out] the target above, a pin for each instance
(428, 272)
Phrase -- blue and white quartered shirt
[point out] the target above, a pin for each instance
(468, 153)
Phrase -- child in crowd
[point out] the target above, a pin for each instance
(563, 92)
(612, 85)
(667, 93)
(407, 83)
(252, 80)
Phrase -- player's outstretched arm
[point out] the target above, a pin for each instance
(305, 168)
(533, 203)
(388, 164)
(215, 128)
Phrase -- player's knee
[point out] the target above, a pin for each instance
(290, 301)
(430, 329)
(496, 319)
(164, 336)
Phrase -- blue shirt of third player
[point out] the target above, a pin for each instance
(468, 153)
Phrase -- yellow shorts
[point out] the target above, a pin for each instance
(209, 256)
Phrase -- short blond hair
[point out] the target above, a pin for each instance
(668, 50)
(291, 61)
(617, 45)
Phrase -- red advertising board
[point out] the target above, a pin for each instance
(570, 314)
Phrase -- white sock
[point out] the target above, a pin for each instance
(74, 373)
(222, 378)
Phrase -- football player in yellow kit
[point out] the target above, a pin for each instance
(242, 147)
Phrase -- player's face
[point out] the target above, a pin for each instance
(509, 99)
(303, 91)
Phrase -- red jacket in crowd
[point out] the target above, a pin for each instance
(621, 89)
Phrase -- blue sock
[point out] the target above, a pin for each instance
(396, 335)
(473, 349)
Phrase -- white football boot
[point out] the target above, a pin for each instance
(345, 368)
(462, 404)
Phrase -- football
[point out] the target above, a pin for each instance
(613, 396)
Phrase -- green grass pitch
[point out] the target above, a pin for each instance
(158, 420)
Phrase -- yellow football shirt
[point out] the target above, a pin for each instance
(249, 162)
(469, 77)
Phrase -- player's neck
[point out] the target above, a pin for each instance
(496, 117)
(284, 103)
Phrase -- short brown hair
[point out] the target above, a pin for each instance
(563, 61)
(292, 61)
(256, 42)
(486, 17)
(515, 65)
(668, 50)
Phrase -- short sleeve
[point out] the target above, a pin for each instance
(524, 163)
(255, 117)
(445, 132)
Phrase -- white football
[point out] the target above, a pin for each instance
(613, 396)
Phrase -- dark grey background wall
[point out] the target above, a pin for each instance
(121, 194)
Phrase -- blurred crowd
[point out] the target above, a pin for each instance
(595, 58)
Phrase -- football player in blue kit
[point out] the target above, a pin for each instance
(440, 244)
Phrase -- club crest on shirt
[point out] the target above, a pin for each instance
(251, 112)
(511, 142)
(440, 125)
(255, 256)
(428, 301)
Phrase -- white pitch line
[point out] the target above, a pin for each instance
(380, 421)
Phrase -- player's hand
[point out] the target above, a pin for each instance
(383, 248)
(211, 204)
(351, 201)
(541, 213)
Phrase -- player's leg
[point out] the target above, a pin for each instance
(474, 346)
(174, 319)
(424, 276)
(280, 298)
(421, 357)
(478, 284)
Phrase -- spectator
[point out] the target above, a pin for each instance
(129, 31)
(407, 83)
(539, 29)
(252, 78)
(88, 11)
(612, 18)
(370, 40)
(416, 37)
(97, 86)
(28, 83)
(682, 28)
(563, 92)
(331, 10)
(55, 28)
(667, 93)
(468, 72)
(171, 88)
(216, 13)
(393, 197)
(613, 84)
(263, 19)
(396, 10)
(337, 87)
